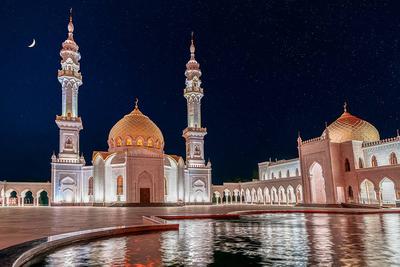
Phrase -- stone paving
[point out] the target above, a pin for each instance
(20, 224)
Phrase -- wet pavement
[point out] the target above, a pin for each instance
(21, 224)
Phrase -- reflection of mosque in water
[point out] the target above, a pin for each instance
(348, 163)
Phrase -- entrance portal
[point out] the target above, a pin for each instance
(317, 184)
(144, 195)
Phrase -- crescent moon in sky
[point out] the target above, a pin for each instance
(32, 44)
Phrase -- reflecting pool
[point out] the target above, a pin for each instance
(262, 240)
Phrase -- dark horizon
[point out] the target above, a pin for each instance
(270, 69)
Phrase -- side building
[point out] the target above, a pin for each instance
(348, 163)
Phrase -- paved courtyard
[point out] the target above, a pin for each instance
(19, 224)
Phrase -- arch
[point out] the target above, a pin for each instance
(282, 195)
(388, 192)
(150, 142)
(119, 141)
(12, 196)
(68, 195)
(248, 196)
(288, 173)
(253, 196)
(374, 162)
(199, 188)
(227, 195)
(68, 189)
(280, 174)
(346, 165)
(139, 141)
(297, 171)
(120, 185)
(27, 197)
(299, 193)
(260, 196)
(274, 195)
(216, 197)
(128, 141)
(272, 175)
(267, 197)
(90, 186)
(393, 159)
(317, 184)
(360, 163)
(367, 192)
(350, 193)
(43, 198)
(236, 194)
(145, 188)
(291, 198)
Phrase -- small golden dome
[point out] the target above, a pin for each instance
(135, 129)
(348, 127)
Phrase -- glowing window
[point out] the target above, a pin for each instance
(374, 162)
(119, 142)
(90, 186)
(393, 158)
(150, 142)
(360, 163)
(139, 142)
(129, 141)
(120, 185)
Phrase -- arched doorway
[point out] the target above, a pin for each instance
(299, 194)
(199, 188)
(367, 192)
(43, 198)
(317, 184)
(145, 185)
(28, 198)
(388, 191)
(13, 198)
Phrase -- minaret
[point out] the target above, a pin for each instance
(70, 78)
(194, 133)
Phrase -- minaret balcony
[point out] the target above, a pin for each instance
(190, 90)
(69, 73)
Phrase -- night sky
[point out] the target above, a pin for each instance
(270, 69)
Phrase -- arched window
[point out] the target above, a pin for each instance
(139, 142)
(347, 165)
(120, 186)
(297, 172)
(393, 158)
(272, 175)
(360, 163)
(90, 186)
(374, 162)
(287, 173)
(150, 142)
(280, 174)
(128, 141)
(119, 141)
(350, 193)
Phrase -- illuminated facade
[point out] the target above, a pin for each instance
(348, 163)
(135, 168)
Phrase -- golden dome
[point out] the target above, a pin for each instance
(135, 129)
(348, 127)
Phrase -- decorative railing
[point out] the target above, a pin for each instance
(380, 142)
(313, 140)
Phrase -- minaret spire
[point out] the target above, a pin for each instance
(70, 79)
(197, 172)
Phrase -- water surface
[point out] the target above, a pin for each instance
(262, 240)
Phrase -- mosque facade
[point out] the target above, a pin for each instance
(348, 163)
(135, 168)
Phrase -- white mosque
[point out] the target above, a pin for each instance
(135, 168)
